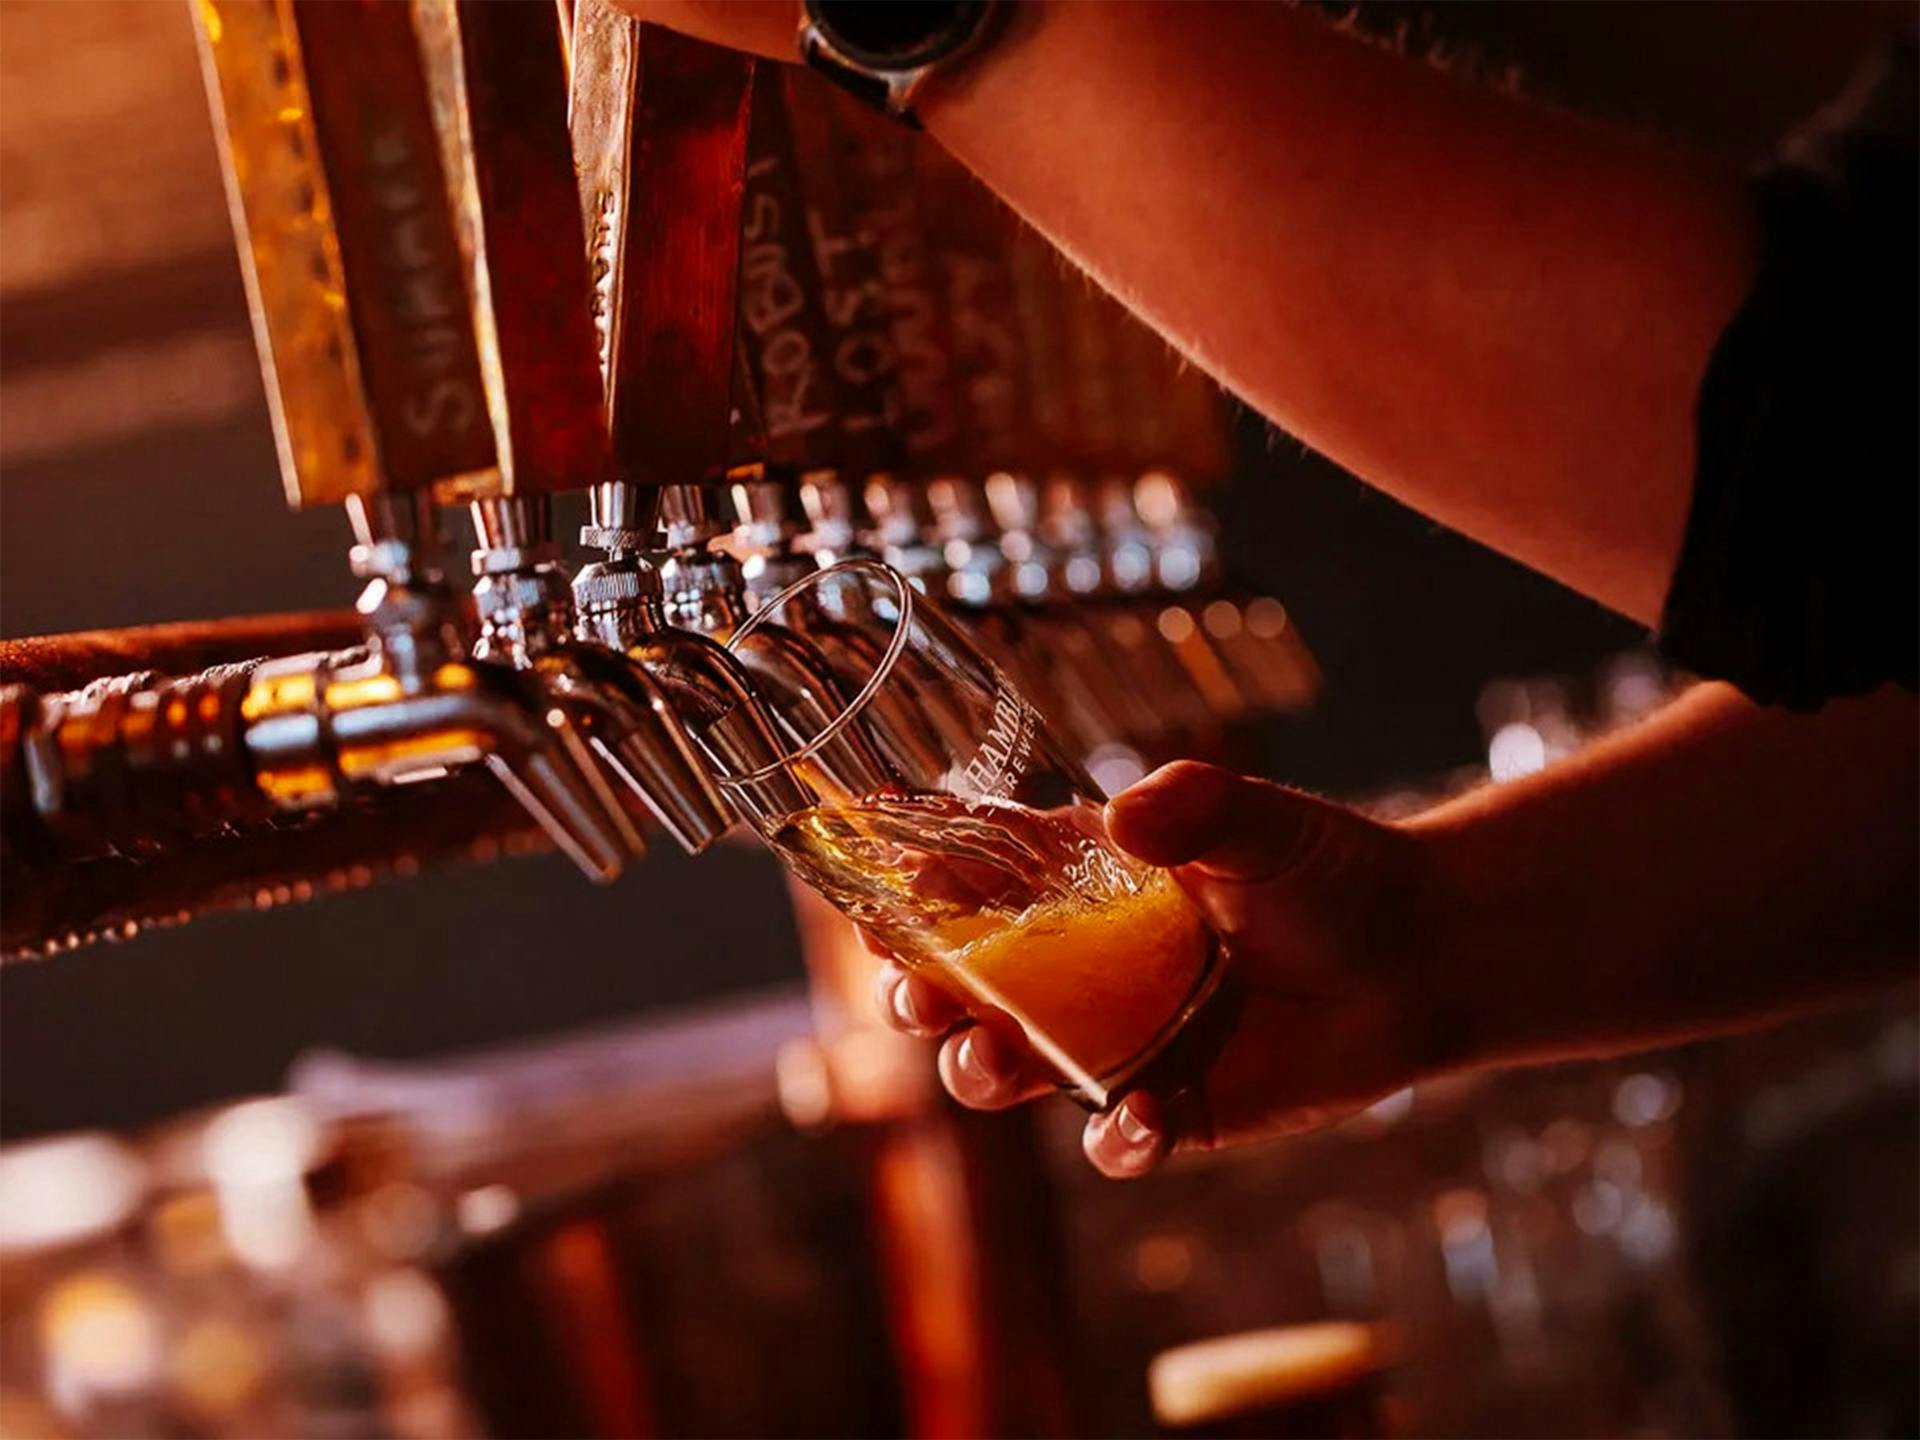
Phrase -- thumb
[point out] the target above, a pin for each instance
(1224, 825)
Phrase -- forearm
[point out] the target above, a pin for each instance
(1496, 312)
(1715, 867)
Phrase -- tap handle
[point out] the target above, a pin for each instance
(787, 402)
(498, 73)
(352, 265)
(815, 323)
(874, 161)
(971, 233)
(659, 132)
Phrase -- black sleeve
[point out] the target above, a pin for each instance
(1797, 576)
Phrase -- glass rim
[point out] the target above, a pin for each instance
(903, 592)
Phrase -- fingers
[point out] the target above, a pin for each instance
(911, 1004)
(1133, 1137)
(1168, 817)
(989, 1066)
(1128, 1140)
(1225, 825)
(986, 1065)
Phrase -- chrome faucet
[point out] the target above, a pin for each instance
(413, 708)
(526, 607)
(660, 133)
(499, 71)
(381, 396)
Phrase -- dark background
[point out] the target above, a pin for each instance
(138, 483)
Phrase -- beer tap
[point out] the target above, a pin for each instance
(770, 534)
(817, 349)
(884, 337)
(858, 342)
(499, 76)
(906, 535)
(812, 402)
(861, 176)
(818, 404)
(659, 129)
(841, 525)
(375, 381)
(1025, 593)
(788, 403)
(654, 178)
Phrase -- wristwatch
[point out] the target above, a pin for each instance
(882, 51)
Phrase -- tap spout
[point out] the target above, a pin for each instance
(624, 717)
(618, 607)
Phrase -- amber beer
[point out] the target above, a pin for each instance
(982, 860)
(1099, 958)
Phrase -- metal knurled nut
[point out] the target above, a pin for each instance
(615, 537)
(516, 593)
(601, 587)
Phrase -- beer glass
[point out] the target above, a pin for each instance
(981, 862)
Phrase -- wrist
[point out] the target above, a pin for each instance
(993, 75)
(1463, 951)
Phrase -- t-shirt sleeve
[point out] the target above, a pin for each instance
(1797, 576)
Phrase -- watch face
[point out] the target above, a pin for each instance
(896, 34)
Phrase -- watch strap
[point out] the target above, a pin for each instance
(873, 90)
(885, 66)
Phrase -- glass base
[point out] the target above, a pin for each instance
(1181, 1050)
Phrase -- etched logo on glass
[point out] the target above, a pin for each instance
(1002, 759)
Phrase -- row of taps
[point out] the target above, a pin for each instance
(498, 252)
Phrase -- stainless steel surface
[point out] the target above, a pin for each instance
(771, 533)
(527, 621)
(843, 526)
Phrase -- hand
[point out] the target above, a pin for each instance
(768, 28)
(1332, 928)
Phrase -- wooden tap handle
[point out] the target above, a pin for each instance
(353, 267)
(498, 72)
(660, 131)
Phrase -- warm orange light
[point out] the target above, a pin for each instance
(369, 690)
(302, 785)
(438, 748)
(277, 695)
